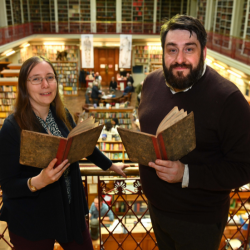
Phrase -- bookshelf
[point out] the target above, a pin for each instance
(222, 25)
(201, 10)
(106, 10)
(114, 150)
(9, 12)
(141, 13)
(67, 76)
(50, 51)
(169, 8)
(8, 91)
(26, 13)
(150, 56)
(104, 115)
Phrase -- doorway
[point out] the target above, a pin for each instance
(106, 63)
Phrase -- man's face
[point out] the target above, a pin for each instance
(97, 204)
(183, 59)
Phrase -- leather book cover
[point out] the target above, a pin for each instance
(172, 144)
(38, 149)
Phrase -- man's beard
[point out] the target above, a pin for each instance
(180, 81)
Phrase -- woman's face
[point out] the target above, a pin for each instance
(41, 95)
(112, 122)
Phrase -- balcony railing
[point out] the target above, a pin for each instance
(132, 229)
(236, 48)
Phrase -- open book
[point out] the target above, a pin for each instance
(175, 137)
(38, 149)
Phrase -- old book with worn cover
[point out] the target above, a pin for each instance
(175, 138)
(38, 149)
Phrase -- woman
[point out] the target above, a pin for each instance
(43, 206)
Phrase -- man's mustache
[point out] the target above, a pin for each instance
(183, 65)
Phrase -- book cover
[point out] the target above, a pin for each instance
(39, 149)
(175, 138)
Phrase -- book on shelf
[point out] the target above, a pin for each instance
(175, 138)
(38, 149)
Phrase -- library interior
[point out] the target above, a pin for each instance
(102, 51)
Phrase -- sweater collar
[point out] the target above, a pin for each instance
(185, 90)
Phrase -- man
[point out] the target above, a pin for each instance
(131, 80)
(98, 77)
(96, 93)
(128, 89)
(94, 210)
(189, 198)
(138, 92)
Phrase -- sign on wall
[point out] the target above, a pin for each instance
(125, 51)
(87, 51)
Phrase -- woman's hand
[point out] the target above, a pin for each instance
(50, 174)
(118, 168)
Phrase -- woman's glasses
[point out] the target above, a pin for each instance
(38, 79)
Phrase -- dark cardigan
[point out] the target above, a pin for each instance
(221, 160)
(46, 213)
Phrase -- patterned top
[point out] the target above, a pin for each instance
(51, 125)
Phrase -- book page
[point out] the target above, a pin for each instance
(180, 116)
(86, 124)
(168, 117)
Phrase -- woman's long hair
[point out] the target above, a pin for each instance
(24, 113)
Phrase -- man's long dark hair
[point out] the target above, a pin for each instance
(24, 113)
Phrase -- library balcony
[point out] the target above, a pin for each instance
(131, 227)
(233, 47)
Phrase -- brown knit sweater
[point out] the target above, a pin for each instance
(221, 160)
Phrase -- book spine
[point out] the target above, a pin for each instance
(60, 152)
(68, 146)
(156, 147)
(162, 147)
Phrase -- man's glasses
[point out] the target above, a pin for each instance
(38, 79)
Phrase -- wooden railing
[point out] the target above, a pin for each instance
(131, 228)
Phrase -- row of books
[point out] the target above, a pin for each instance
(68, 75)
(152, 56)
(1, 121)
(140, 51)
(69, 80)
(67, 65)
(8, 95)
(4, 114)
(70, 92)
(6, 108)
(141, 56)
(109, 115)
(57, 67)
(70, 88)
(111, 146)
(7, 101)
(8, 88)
(129, 126)
(66, 71)
(69, 84)
(141, 60)
(113, 156)
(121, 121)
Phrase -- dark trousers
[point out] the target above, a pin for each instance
(173, 234)
(21, 243)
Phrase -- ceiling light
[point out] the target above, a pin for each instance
(233, 73)
(10, 53)
(53, 43)
(97, 44)
(26, 45)
(113, 44)
(218, 65)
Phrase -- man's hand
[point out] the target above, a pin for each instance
(170, 171)
(118, 168)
